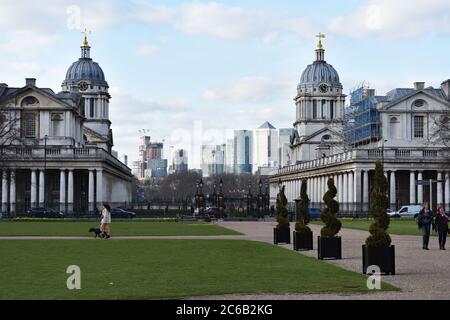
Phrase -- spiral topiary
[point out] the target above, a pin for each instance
(378, 206)
(282, 212)
(303, 210)
(328, 215)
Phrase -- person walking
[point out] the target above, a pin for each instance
(425, 220)
(106, 221)
(441, 226)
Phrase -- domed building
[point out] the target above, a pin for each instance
(58, 152)
(319, 109)
(87, 77)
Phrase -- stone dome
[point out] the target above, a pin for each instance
(85, 70)
(320, 72)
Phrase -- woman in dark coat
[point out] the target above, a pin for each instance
(425, 220)
(441, 226)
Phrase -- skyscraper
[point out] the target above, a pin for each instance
(180, 161)
(213, 157)
(243, 151)
(284, 146)
(266, 146)
(150, 162)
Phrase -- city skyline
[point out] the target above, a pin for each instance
(256, 66)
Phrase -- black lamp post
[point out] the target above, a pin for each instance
(260, 200)
(267, 198)
(221, 198)
(249, 199)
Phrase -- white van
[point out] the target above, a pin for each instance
(406, 212)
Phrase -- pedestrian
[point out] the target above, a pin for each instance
(425, 220)
(441, 226)
(106, 221)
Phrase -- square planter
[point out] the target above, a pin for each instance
(329, 248)
(303, 241)
(383, 257)
(281, 235)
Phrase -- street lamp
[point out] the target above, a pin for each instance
(45, 164)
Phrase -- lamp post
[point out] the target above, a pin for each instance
(260, 200)
(249, 199)
(220, 198)
(382, 151)
(267, 198)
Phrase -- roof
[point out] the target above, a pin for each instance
(266, 125)
(320, 72)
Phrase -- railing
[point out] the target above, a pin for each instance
(364, 154)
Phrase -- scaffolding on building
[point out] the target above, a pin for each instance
(362, 124)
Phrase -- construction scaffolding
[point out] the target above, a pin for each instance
(362, 123)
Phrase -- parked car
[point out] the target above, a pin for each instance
(119, 213)
(406, 212)
(41, 212)
(214, 212)
(314, 213)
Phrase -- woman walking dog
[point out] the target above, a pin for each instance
(106, 221)
(441, 226)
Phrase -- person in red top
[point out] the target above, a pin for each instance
(441, 226)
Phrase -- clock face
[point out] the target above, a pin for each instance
(83, 85)
(323, 88)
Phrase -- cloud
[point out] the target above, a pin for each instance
(251, 89)
(147, 50)
(400, 18)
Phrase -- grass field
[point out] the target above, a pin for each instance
(118, 228)
(147, 269)
(397, 226)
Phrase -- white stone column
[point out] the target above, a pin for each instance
(340, 187)
(99, 187)
(12, 191)
(4, 191)
(351, 191)
(366, 190)
(33, 188)
(420, 188)
(412, 187)
(440, 191)
(62, 190)
(41, 188)
(393, 193)
(345, 191)
(447, 192)
(70, 191)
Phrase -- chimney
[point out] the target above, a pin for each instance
(30, 81)
(445, 86)
(419, 85)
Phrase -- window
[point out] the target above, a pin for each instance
(92, 108)
(331, 109)
(323, 109)
(57, 121)
(394, 128)
(419, 103)
(314, 109)
(418, 127)
(269, 146)
(29, 125)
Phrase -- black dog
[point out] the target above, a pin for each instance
(96, 231)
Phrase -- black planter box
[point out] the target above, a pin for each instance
(329, 248)
(281, 235)
(303, 241)
(383, 257)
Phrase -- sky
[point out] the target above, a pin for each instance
(191, 72)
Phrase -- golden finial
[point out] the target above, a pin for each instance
(320, 36)
(86, 32)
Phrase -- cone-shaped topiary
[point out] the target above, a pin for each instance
(378, 206)
(303, 210)
(282, 212)
(328, 215)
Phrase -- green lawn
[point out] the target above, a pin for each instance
(148, 269)
(118, 228)
(397, 226)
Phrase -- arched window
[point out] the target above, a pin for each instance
(394, 128)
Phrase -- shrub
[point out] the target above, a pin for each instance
(282, 212)
(378, 206)
(328, 215)
(303, 210)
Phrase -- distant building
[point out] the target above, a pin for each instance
(180, 161)
(124, 159)
(266, 146)
(284, 146)
(230, 157)
(213, 157)
(150, 158)
(243, 151)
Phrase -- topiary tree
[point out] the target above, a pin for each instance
(303, 210)
(328, 215)
(378, 206)
(282, 212)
